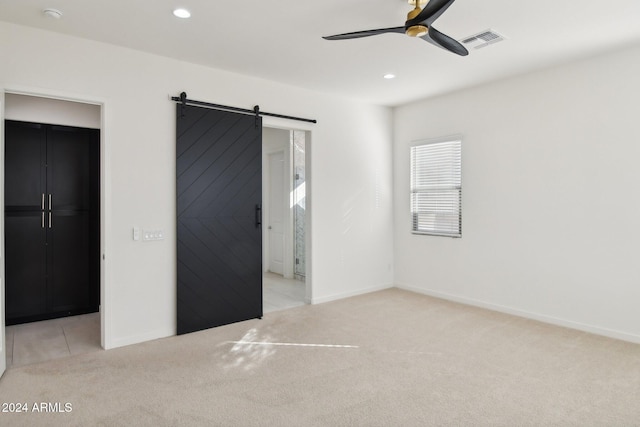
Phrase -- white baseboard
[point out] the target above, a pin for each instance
(137, 339)
(334, 297)
(611, 333)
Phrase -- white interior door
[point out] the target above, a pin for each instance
(276, 212)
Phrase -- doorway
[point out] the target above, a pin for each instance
(227, 232)
(284, 195)
(63, 151)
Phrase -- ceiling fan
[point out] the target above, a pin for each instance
(418, 24)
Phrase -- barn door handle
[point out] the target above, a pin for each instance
(258, 215)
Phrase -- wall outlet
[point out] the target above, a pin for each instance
(136, 233)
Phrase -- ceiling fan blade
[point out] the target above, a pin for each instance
(439, 39)
(430, 13)
(367, 33)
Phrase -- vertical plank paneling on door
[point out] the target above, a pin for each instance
(219, 186)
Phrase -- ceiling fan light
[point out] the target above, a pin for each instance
(417, 31)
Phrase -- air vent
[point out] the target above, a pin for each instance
(482, 39)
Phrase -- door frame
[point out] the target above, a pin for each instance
(105, 200)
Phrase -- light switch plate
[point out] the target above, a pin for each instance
(149, 235)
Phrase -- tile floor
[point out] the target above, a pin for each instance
(53, 339)
(279, 293)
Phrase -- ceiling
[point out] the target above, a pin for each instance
(280, 40)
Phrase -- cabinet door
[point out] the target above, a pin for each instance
(69, 168)
(73, 248)
(25, 290)
(24, 166)
(70, 280)
(25, 177)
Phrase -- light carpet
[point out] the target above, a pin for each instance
(389, 358)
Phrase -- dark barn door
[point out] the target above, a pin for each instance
(219, 195)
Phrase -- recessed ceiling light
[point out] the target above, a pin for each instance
(182, 13)
(389, 76)
(52, 13)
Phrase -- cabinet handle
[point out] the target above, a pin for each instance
(50, 205)
(42, 202)
(42, 219)
(50, 222)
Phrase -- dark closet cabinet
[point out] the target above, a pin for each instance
(52, 221)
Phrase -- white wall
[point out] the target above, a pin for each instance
(350, 151)
(551, 204)
(51, 111)
(274, 139)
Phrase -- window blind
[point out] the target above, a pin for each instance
(436, 188)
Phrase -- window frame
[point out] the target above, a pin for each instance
(456, 138)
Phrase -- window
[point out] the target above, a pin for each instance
(436, 188)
